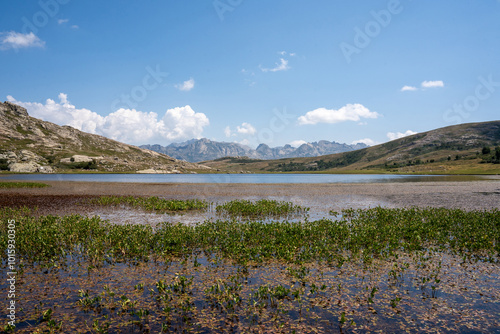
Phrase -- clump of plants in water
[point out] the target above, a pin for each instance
(368, 270)
(153, 203)
(260, 208)
(23, 185)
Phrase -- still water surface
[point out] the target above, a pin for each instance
(242, 178)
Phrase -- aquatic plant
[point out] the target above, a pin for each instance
(260, 208)
(156, 204)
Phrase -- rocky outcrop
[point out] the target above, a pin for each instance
(11, 108)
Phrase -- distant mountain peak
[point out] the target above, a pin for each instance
(196, 150)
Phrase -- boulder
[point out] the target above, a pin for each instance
(76, 158)
(45, 170)
(29, 167)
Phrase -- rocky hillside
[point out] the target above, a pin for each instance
(205, 149)
(472, 148)
(28, 144)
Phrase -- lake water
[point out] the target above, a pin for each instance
(242, 178)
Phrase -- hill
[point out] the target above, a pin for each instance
(453, 149)
(197, 150)
(28, 144)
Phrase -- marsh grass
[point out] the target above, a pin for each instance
(6, 185)
(368, 270)
(154, 203)
(260, 208)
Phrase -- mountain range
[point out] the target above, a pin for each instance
(204, 149)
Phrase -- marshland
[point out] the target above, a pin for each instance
(282, 263)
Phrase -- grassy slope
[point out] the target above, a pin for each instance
(426, 152)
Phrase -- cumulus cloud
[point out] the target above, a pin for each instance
(246, 129)
(297, 143)
(366, 141)
(126, 125)
(349, 112)
(184, 122)
(186, 86)
(281, 66)
(397, 135)
(61, 21)
(408, 88)
(432, 84)
(17, 40)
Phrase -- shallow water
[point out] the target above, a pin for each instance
(320, 207)
(370, 297)
(244, 178)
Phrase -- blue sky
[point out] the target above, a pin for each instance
(275, 71)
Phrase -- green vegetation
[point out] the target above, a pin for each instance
(365, 234)
(489, 156)
(369, 269)
(4, 164)
(23, 185)
(260, 208)
(154, 203)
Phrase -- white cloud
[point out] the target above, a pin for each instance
(281, 66)
(74, 26)
(366, 141)
(244, 142)
(227, 131)
(397, 135)
(61, 21)
(349, 112)
(408, 89)
(297, 143)
(284, 53)
(184, 122)
(246, 129)
(17, 40)
(126, 125)
(186, 86)
(432, 84)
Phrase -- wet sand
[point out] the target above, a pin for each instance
(64, 197)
